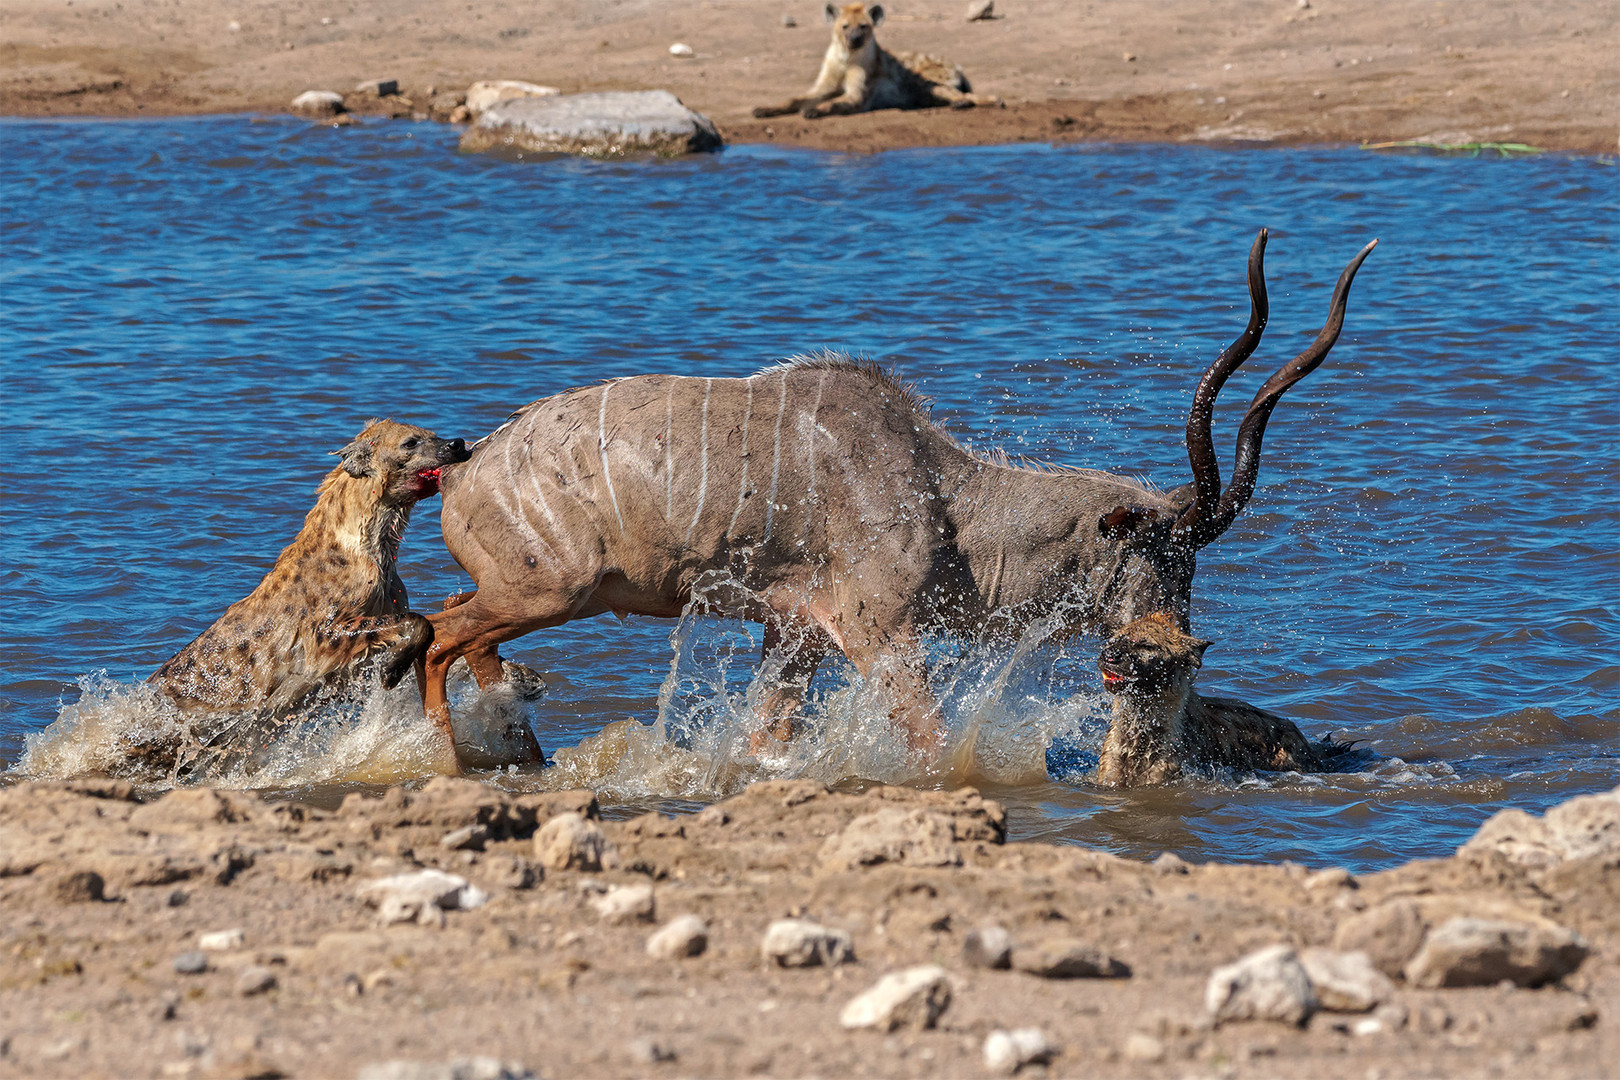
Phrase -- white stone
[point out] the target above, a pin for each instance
(625, 903)
(604, 125)
(682, 936)
(682, 50)
(913, 998)
(1006, 1052)
(318, 103)
(422, 896)
(221, 940)
(571, 842)
(1268, 984)
(475, 1068)
(481, 95)
(981, 9)
(1140, 1046)
(1346, 981)
(802, 943)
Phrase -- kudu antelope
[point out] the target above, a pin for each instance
(848, 519)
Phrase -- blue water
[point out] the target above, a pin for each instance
(194, 312)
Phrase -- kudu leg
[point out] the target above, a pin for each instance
(777, 707)
(471, 629)
(895, 660)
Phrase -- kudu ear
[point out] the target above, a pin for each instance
(1123, 520)
(357, 458)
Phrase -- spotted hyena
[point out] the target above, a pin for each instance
(1162, 724)
(859, 75)
(333, 600)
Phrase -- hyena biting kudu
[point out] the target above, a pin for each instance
(332, 600)
(851, 522)
(858, 75)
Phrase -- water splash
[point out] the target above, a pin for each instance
(361, 733)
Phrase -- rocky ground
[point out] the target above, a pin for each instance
(215, 934)
(1534, 71)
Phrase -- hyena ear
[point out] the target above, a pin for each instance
(1122, 520)
(876, 11)
(356, 458)
(831, 13)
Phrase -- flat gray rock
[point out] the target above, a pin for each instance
(1483, 952)
(594, 125)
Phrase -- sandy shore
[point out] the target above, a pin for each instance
(105, 970)
(1538, 72)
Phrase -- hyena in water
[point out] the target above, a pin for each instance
(859, 75)
(1162, 724)
(332, 600)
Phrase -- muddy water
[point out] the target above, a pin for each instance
(195, 312)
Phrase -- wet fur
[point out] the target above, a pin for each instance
(1162, 725)
(332, 600)
(858, 75)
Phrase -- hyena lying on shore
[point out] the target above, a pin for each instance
(332, 601)
(859, 75)
(1162, 725)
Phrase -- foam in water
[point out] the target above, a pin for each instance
(1011, 714)
(1001, 707)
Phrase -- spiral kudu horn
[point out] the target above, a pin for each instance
(1208, 518)
(1200, 443)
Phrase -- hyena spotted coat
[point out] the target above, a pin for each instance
(859, 75)
(1162, 725)
(333, 597)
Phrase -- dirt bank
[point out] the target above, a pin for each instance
(1270, 70)
(104, 970)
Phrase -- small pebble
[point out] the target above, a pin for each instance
(468, 837)
(255, 980)
(987, 947)
(682, 50)
(1006, 1052)
(789, 22)
(802, 943)
(191, 963)
(685, 935)
(80, 887)
(626, 903)
(913, 998)
(1140, 1046)
(572, 842)
(221, 940)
